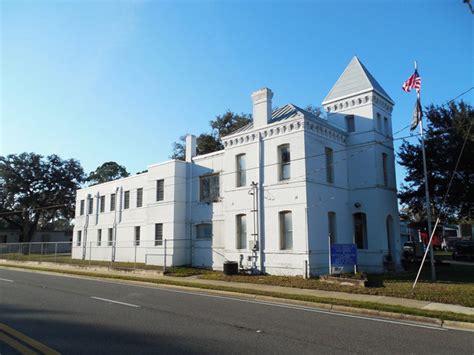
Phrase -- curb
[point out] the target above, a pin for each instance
(448, 324)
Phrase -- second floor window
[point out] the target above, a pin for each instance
(209, 190)
(139, 197)
(329, 165)
(241, 170)
(126, 200)
(160, 190)
(112, 202)
(91, 206)
(102, 204)
(350, 123)
(284, 161)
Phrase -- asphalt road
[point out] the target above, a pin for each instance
(82, 316)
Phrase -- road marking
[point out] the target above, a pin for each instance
(274, 304)
(6, 280)
(112, 301)
(8, 335)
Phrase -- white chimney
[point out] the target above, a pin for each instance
(190, 147)
(262, 107)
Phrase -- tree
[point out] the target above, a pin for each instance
(448, 127)
(221, 126)
(36, 189)
(314, 110)
(107, 172)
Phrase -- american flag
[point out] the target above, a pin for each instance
(413, 82)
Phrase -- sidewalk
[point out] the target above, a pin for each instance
(155, 276)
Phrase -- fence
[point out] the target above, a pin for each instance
(124, 255)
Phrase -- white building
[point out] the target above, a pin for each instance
(310, 177)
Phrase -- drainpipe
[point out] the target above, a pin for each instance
(114, 226)
(260, 196)
(86, 226)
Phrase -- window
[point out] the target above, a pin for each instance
(91, 205)
(111, 237)
(286, 231)
(350, 123)
(241, 231)
(79, 238)
(204, 231)
(379, 122)
(241, 170)
(329, 165)
(3, 238)
(332, 226)
(112, 202)
(139, 197)
(209, 188)
(158, 234)
(160, 190)
(285, 161)
(81, 212)
(360, 230)
(386, 126)
(126, 200)
(384, 169)
(137, 235)
(99, 237)
(102, 204)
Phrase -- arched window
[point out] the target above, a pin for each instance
(360, 230)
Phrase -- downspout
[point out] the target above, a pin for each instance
(114, 226)
(190, 209)
(260, 196)
(86, 226)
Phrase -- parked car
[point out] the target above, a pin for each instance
(409, 247)
(463, 250)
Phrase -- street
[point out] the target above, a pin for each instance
(84, 316)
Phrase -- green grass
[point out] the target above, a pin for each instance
(66, 259)
(181, 271)
(305, 298)
(455, 284)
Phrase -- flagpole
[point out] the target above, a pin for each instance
(427, 195)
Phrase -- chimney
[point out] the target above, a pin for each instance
(262, 107)
(190, 147)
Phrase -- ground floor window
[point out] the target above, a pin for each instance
(204, 231)
(241, 231)
(137, 235)
(286, 230)
(99, 237)
(79, 238)
(332, 226)
(158, 234)
(111, 237)
(360, 230)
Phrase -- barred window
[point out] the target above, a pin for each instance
(111, 237)
(209, 190)
(158, 234)
(126, 200)
(140, 197)
(160, 190)
(112, 202)
(329, 165)
(285, 161)
(91, 205)
(360, 230)
(99, 237)
(137, 235)
(102, 204)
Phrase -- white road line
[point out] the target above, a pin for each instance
(272, 304)
(112, 301)
(6, 280)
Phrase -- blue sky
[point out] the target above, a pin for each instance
(121, 80)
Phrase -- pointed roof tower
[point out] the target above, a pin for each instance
(355, 79)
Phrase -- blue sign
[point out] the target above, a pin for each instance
(343, 254)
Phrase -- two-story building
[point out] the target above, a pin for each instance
(281, 191)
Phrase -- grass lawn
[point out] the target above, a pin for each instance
(66, 259)
(455, 284)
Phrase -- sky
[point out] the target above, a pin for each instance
(120, 81)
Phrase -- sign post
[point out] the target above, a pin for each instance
(343, 255)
